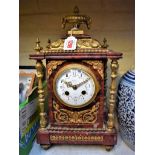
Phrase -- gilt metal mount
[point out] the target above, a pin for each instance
(76, 19)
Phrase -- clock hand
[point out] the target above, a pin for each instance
(83, 82)
(69, 84)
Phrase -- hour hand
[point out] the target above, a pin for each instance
(68, 84)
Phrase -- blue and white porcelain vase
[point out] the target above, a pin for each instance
(126, 108)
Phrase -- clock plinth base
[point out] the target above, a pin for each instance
(66, 135)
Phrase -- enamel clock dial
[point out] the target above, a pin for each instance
(75, 85)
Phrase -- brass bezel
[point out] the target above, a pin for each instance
(84, 68)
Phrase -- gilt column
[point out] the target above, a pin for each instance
(112, 99)
(41, 95)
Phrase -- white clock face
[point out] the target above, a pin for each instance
(75, 87)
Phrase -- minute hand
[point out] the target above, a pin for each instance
(83, 82)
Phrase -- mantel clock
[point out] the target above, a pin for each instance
(78, 112)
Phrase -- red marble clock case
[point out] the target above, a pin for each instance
(58, 134)
(99, 98)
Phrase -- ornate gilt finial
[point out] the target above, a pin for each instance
(76, 19)
(105, 45)
(76, 10)
(38, 48)
(49, 44)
